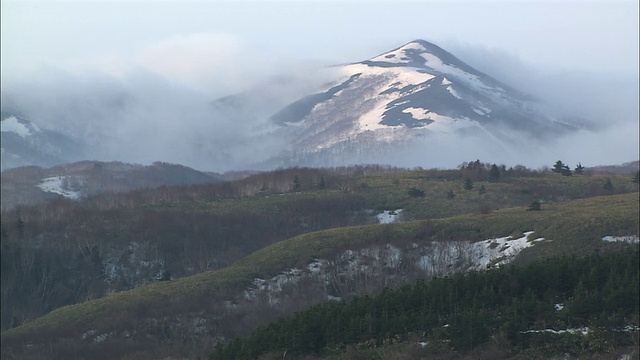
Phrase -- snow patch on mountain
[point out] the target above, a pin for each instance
(389, 216)
(399, 56)
(472, 80)
(15, 125)
(391, 263)
(57, 185)
(629, 239)
(402, 76)
(503, 250)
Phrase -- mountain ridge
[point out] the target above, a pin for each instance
(399, 107)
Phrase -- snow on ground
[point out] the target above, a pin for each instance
(417, 113)
(401, 76)
(435, 63)
(55, 185)
(435, 258)
(583, 331)
(398, 56)
(371, 120)
(630, 239)
(503, 248)
(389, 216)
(453, 92)
(12, 124)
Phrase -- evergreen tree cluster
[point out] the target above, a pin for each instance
(561, 168)
(600, 292)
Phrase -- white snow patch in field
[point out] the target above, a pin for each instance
(583, 331)
(503, 248)
(630, 239)
(559, 307)
(54, 185)
(389, 216)
(12, 124)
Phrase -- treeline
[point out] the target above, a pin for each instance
(462, 312)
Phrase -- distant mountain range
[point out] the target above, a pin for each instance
(394, 108)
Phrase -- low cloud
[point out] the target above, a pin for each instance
(158, 105)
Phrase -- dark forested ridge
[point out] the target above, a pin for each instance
(143, 267)
(597, 293)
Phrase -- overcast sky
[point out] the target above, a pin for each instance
(113, 70)
(204, 42)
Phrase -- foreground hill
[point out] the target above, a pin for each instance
(582, 307)
(67, 251)
(189, 316)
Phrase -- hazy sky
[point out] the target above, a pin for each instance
(200, 42)
(112, 70)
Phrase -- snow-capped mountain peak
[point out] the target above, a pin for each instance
(413, 92)
(25, 143)
(18, 125)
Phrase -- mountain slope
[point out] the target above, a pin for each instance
(31, 185)
(212, 306)
(25, 144)
(413, 95)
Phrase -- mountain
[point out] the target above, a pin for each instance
(24, 143)
(417, 105)
(415, 96)
(32, 184)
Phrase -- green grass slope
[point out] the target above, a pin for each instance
(575, 227)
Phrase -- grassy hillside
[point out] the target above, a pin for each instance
(455, 315)
(574, 226)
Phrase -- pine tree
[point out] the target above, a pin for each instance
(296, 184)
(560, 168)
(468, 184)
(322, 184)
(494, 173)
(579, 169)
